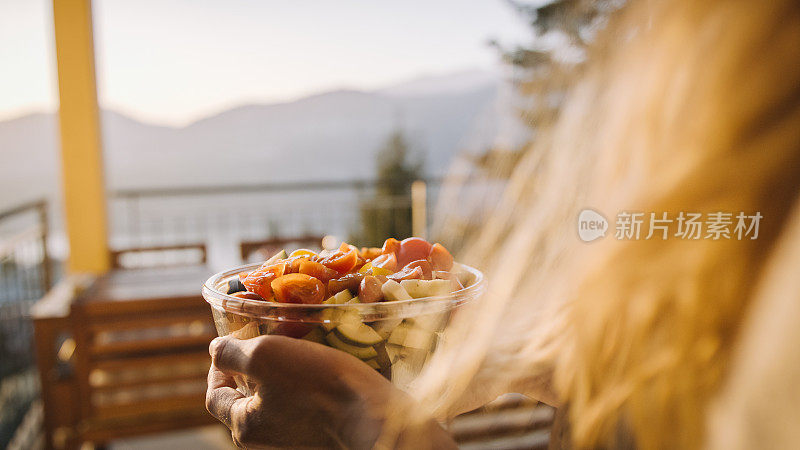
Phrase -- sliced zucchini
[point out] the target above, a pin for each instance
(280, 255)
(363, 353)
(315, 335)
(385, 327)
(340, 298)
(397, 352)
(373, 363)
(394, 352)
(419, 339)
(431, 322)
(358, 334)
(412, 337)
(398, 335)
(330, 318)
(350, 316)
(393, 291)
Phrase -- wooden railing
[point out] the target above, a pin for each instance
(223, 217)
(26, 274)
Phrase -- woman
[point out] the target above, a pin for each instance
(663, 342)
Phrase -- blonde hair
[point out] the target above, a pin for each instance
(689, 106)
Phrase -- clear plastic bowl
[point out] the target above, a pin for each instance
(402, 336)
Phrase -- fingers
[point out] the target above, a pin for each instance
(232, 355)
(218, 379)
(259, 356)
(221, 397)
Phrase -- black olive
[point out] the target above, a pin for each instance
(235, 286)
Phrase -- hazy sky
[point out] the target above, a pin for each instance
(173, 61)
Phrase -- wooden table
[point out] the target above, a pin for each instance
(140, 340)
(134, 290)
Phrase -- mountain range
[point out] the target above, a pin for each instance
(329, 136)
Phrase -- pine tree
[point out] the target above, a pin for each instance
(388, 212)
(545, 71)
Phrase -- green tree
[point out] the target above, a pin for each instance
(564, 31)
(387, 213)
(547, 68)
(544, 71)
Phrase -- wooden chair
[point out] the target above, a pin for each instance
(134, 366)
(55, 348)
(158, 256)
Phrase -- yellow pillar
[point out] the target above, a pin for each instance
(81, 149)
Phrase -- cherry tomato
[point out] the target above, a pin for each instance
(440, 258)
(412, 249)
(387, 261)
(425, 265)
(408, 273)
(391, 245)
(345, 247)
(341, 262)
(260, 280)
(302, 252)
(293, 263)
(298, 288)
(317, 270)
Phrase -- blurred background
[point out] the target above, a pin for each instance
(219, 132)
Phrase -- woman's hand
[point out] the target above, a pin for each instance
(306, 395)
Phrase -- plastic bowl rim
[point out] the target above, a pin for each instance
(210, 293)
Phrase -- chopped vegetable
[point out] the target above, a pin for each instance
(393, 291)
(307, 277)
(235, 285)
(413, 249)
(440, 258)
(298, 288)
(341, 262)
(370, 290)
(344, 282)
